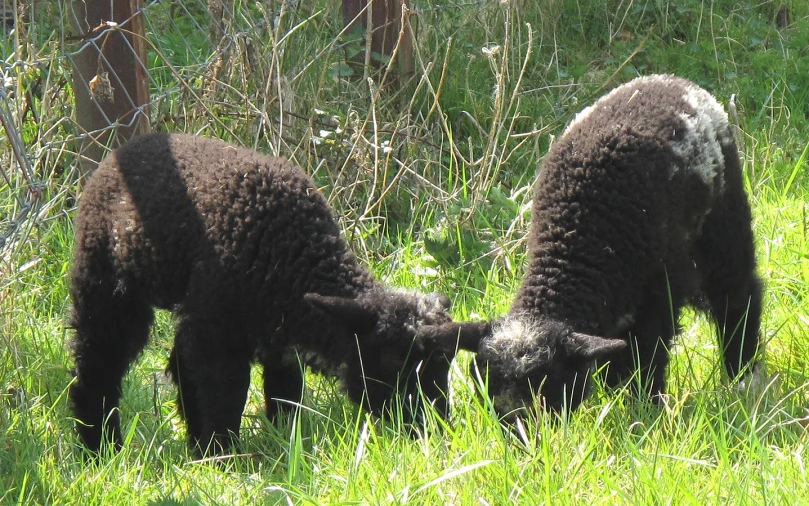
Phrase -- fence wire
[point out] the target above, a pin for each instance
(24, 187)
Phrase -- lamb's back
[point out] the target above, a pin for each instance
(181, 209)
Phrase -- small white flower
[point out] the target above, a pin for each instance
(491, 50)
(425, 271)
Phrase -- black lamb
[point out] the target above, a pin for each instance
(639, 209)
(244, 250)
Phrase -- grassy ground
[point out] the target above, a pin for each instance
(432, 186)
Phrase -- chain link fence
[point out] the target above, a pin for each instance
(26, 189)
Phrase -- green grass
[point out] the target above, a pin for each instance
(446, 209)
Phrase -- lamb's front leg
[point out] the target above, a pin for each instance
(111, 331)
(211, 367)
(283, 383)
(642, 364)
(646, 359)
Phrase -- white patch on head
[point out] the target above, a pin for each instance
(706, 133)
(428, 307)
(516, 339)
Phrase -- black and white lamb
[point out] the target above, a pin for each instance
(245, 251)
(639, 209)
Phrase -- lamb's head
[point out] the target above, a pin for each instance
(526, 359)
(395, 360)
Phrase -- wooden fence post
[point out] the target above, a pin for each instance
(110, 77)
(386, 23)
(221, 13)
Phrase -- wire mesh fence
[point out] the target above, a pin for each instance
(27, 192)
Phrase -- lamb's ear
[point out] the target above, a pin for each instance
(591, 347)
(351, 312)
(456, 335)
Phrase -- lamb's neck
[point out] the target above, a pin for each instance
(582, 297)
(346, 278)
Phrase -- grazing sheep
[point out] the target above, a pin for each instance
(244, 250)
(639, 209)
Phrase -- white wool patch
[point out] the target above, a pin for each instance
(705, 134)
(517, 339)
(429, 304)
(116, 238)
(581, 116)
(428, 307)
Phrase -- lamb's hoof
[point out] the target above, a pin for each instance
(756, 381)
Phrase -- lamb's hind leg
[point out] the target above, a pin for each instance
(733, 292)
(742, 319)
(726, 258)
(210, 365)
(112, 328)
